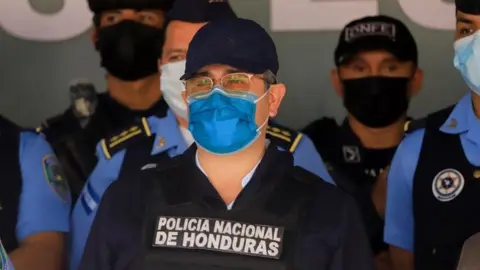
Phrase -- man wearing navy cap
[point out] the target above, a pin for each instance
(233, 200)
(433, 186)
(141, 145)
(128, 35)
(376, 75)
(184, 21)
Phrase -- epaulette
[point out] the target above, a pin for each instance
(413, 125)
(285, 137)
(120, 140)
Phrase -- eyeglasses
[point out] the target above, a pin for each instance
(236, 82)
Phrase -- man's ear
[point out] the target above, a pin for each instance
(275, 97)
(336, 82)
(416, 82)
(184, 96)
(94, 35)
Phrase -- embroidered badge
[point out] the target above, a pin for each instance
(447, 185)
(54, 176)
(351, 154)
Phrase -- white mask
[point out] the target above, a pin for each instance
(172, 87)
(467, 60)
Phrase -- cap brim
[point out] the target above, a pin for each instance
(235, 62)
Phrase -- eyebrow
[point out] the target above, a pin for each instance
(176, 50)
(464, 20)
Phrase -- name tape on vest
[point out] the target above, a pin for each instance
(370, 29)
(219, 235)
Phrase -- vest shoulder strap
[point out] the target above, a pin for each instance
(284, 137)
(304, 176)
(433, 120)
(120, 140)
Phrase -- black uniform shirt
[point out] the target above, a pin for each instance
(332, 238)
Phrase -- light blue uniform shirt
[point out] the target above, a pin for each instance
(399, 223)
(107, 171)
(45, 201)
(307, 157)
(5, 263)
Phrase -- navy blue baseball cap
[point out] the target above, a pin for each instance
(468, 6)
(239, 43)
(198, 11)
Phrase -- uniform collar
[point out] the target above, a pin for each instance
(167, 134)
(273, 159)
(462, 118)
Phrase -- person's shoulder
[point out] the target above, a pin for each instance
(432, 121)
(122, 138)
(322, 124)
(283, 136)
(59, 126)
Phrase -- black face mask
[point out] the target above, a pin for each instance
(376, 101)
(130, 50)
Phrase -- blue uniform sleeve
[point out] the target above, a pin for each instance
(307, 157)
(5, 262)
(45, 199)
(399, 229)
(105, 173)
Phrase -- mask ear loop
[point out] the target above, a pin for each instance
(256, 101)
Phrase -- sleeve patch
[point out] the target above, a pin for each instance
(286, 138)
(55, 178)
(119, 141)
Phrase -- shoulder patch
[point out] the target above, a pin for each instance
(413, 125)
(120, 140)
(285, 137)
(55, 178)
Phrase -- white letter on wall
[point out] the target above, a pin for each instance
(434, 14)
(310, 15)
(20, 20)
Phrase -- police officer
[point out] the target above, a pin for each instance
(376, 75)
(169, 136)
(433, 179)
(128, 36)
(34, 200)
(277, 217)
(5, 262)
(161, 136)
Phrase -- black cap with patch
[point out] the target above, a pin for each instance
(468, 6)
(376, 33)
(199, 11)
(97, 6)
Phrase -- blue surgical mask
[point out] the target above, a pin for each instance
(467, 60)
(224, 122)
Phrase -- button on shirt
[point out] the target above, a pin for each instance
(399, 223)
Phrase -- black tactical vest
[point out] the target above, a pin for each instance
(185, 232)
(445, 198)
(11, 186)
